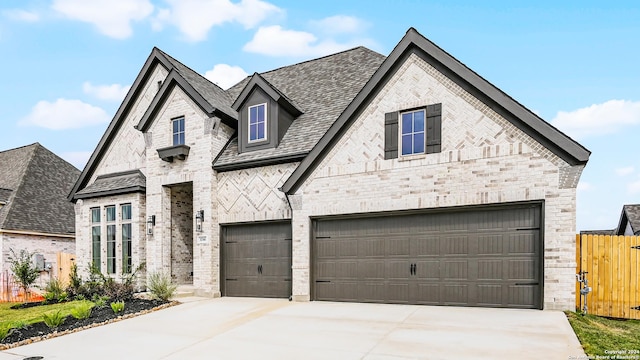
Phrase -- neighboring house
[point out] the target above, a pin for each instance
(629, 224)
(352, 177)
(35, 214)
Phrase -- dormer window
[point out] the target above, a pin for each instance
(258, 122)
(178, 131)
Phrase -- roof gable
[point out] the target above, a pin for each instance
(38, 201)
(258, 81)
(414, 43)
(630, 215)
(204, 92)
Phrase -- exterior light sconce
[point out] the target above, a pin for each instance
(199, 220)
(151, 222)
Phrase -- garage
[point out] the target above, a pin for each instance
(256, 260)
(489, 257)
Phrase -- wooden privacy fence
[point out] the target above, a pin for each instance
(64, 261)
(612, 264)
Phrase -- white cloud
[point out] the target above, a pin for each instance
(77, 158)
(194, 18)
(598, 119)
(225, 75)
(113, 92)
(276, 41)
(624, 171)
(634, 187)
(112, 17)
(584, 186)
(340, 24)
(64, 114)
(22, 15)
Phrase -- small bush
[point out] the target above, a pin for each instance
(82, 311)
(160, 286)
(5, 330)
(54, 292)
(54, 319)
(20, 324)
(23, 269)
(100, 301)
(118, 291)
(117, 306)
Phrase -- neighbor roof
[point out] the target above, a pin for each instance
(319, 88)
(630, 215)
(35, 183)
(414, 43)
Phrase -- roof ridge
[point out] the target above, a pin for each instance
(318, 58)
(20, 147)
(172, 59)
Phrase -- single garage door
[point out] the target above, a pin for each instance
(482, 257)
(256, 260)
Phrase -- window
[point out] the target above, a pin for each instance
(258, 122)
(419, 131)
(111, 239)
(412, 138)
(126, 238)
(178, 131)
(95, 237)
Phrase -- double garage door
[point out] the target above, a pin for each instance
(487, 257)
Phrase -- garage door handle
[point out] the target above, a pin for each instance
(535, 283)
(412, 269)
(259, 269)
(323, 281)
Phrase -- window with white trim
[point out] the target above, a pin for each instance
(111, 239)
(126, 238)
(95, 237)
(178, 131)
(258, 122)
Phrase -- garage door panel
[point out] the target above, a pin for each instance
(256, 260)
(477, 257)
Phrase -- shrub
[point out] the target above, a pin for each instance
(160, 286)
(76, 289)
(117, 306)
(53, 319)
(117, 291)
(54, 291)
(82, 310)
(100, 301)
(23, 269)
(5, 330)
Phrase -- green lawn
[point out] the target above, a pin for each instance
(604, 337)
(31, 315)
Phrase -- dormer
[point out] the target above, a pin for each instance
(264, 115)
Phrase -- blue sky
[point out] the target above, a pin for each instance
(68, 63)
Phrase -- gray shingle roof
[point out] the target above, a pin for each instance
(321, 88)
(4, 195)
(632, 213)
(211, 92)
(116, 183)
(40, 182)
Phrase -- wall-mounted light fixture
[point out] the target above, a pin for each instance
(151, 222)
(199, 220)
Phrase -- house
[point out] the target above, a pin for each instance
(629, 224)
(353, 177)
(35, 214)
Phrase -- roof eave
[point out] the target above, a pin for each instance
(122, 191)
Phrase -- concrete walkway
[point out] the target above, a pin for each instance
(242, 328)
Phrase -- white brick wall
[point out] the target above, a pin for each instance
(484, 159)
(46, 245)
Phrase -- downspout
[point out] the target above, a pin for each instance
(286, 195)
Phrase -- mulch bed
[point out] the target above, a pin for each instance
(99, 316)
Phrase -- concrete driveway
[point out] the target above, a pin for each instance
(243, 328)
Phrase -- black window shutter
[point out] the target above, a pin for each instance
(434, 128)
(391, 135)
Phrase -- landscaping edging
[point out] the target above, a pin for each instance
(70, 331)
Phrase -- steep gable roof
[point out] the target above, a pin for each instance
(320, 88)
(39, 181)
(414, 43)
(204, 92)
(258, 81)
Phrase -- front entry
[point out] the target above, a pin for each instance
(182, 234)
(256, 260)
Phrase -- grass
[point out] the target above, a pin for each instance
(33, 314)
(601, 336)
